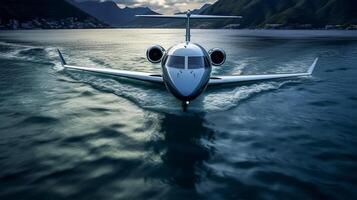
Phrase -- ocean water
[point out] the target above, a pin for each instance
(75, 135)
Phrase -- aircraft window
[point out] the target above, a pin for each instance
(176, 62)
(196, 62)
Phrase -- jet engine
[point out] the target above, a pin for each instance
(217, 56)
(155, 53)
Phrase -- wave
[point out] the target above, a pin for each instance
(146, 95)
(25, 52)
(157, 98)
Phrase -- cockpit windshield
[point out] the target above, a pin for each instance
(196, 62)
(176, 62)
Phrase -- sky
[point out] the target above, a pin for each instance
(162, 6)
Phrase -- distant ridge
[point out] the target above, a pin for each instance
(287, 13)
(198, 10)
(271, 14)
(44, 14)
(110, 13)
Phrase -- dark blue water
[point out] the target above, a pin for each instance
(72, 135)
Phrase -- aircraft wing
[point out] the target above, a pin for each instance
(218, 80)
(143, 76)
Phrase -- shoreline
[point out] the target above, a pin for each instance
(169, 28)
(222, 28)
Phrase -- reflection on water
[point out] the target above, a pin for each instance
(72, 135)
(184, 150)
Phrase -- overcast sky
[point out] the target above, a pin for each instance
(162, 6)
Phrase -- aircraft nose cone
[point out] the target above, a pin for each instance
(187, 82)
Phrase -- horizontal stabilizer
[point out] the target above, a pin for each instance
(184, 16)
(188, 16)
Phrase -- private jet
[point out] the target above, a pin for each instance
(186, 67)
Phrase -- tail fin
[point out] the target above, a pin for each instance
(63, 62)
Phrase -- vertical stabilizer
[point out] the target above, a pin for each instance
(188, 28)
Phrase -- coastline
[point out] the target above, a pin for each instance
(222, 28)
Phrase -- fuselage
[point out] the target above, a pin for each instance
(186, 69)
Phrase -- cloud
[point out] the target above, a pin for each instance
(163, 6)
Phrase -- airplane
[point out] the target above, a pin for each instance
(186, 67)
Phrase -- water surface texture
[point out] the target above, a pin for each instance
(74, 135)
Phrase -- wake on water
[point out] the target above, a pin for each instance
(145, 95)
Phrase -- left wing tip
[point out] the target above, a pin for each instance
(63, 62)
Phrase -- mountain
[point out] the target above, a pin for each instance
(110, 13)
(197, 10)
(200, 10)
(44, 14)
(287, 13)
(51, 14)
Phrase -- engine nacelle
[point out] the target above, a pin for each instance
(217, 56)
(155, 53)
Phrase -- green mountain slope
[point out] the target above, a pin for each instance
(258, 13)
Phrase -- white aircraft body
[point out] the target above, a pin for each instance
(186, 67)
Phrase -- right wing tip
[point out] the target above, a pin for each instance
(312, 67)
